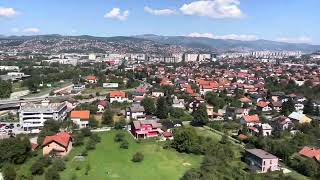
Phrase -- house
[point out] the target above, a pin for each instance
(245, 101)
(167, 135)
(277, 105)
(59, 144)
(91, 79)
(178, 103)
(250, 120)
(80, 118)
(310, 152)
(263, 106)
(282, 123)
(136, 111)
(118, 96)
(102, 105)
(157, 94)
(210, 110)
(261, 161)
(265, 129)
(146, 128)
(299, 117)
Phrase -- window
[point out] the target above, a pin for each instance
(270, 161)
(264, 162)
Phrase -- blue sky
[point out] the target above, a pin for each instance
(282, 20)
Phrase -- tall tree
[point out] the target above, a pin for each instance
(308, 107)
(148, 105)
(107, 117)
(200, 115)
(162, 108)
(287, 107)
(5, 89)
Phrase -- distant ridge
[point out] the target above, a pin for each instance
(229, 44)
(219, 45)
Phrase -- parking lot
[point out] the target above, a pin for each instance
(10, 128)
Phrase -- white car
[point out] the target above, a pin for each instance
(2, 131)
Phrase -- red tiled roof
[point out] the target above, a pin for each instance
(61, 138)
(82, 115)
(262, 104)
(117, 94)
(167, 134)
(103, 103)
(91, 78)
(245, 100)
(252, 118)
(310, 152)
(242, 137)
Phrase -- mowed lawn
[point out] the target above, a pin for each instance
(108, 161)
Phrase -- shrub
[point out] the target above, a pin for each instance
(59, 165)
(124, 145)
(9, 172)
(52, 174)
(91, 145)
(86, 132)
(119, 137)
(95, 138)
(37, 168)
(88, 167)
(137, 157)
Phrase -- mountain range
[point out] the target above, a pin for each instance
(157, 42)
(229, 44)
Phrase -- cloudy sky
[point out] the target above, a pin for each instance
(281, 20)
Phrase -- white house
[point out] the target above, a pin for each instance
(80, 118)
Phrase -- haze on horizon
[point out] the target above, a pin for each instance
(286, 21)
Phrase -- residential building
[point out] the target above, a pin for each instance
(299, 117)
(118, 96)
(58, 145)
(136, 111)
(33, 116)
(178, 103)
(250, 120)
(80, 118)
(261, 161)
(102, 105)
(310, 152)
(146, 128)
(91, 79)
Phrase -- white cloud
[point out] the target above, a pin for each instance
(241, 37)
(160, 12)
(115, 13)
(7, 12)
(32, 30)
(301, 39)
(217, 9)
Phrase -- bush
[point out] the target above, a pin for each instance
(59, 165)
(119, 137)
(86, 132)
(52, 174)
(96, 138)
(84, 152)
(45, 161)
(91, 145)
(137, 157)
(88, 167)
(78, 139)
(124, 145)
(37, 168)
(9, 172)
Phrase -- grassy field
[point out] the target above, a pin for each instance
(108, 161)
